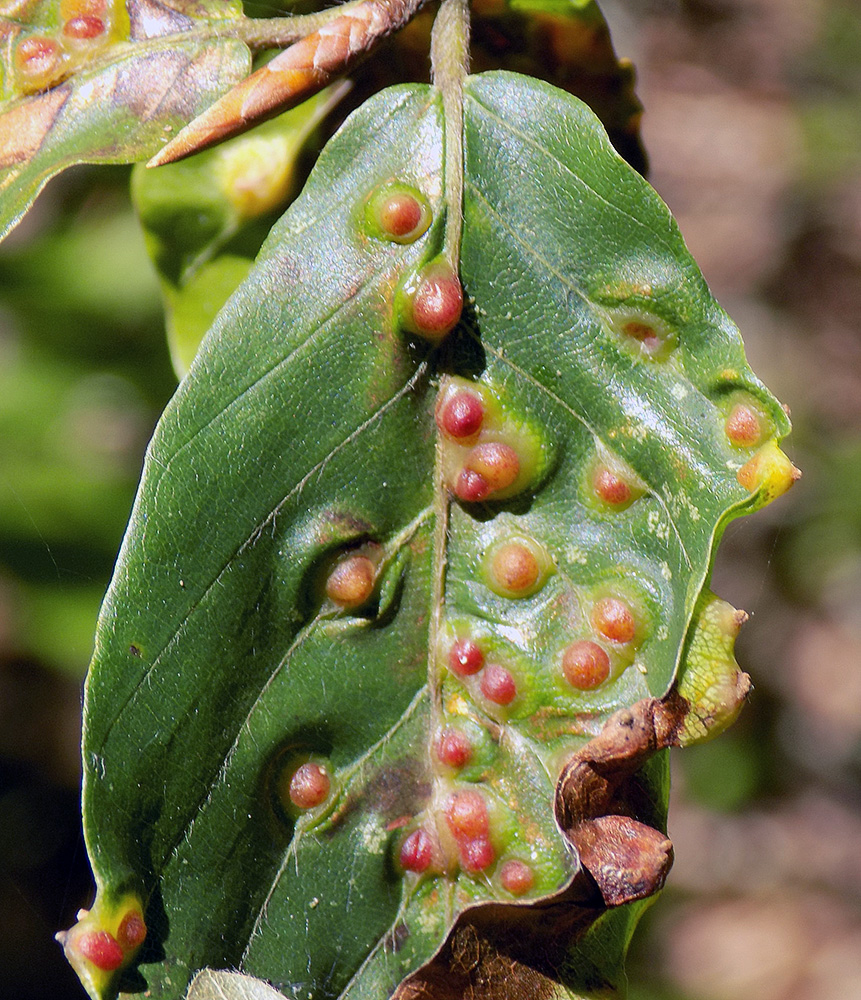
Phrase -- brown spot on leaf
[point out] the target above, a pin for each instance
(24, 128)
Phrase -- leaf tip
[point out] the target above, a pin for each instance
(769, 472)
(103, 942)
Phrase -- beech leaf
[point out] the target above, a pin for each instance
(382, 678)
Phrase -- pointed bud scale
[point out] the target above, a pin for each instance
(769, 472)
(131, 933)
(465, 658)
(434, 301)
(398, 213)
(352, 581)
(743, 426)
(585, 665)
(517, 567)
(477, 855)
(453, 748)
(309, 786)
(416, 852)
(516, 877)
(102, 949)
(497, 685)
(466, 815)
(614, 619)
(460, 416)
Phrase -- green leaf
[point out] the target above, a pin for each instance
(115, 97)
(205, 218)
(296, 581)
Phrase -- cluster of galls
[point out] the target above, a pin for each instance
(86, 27)
(747, 425)
(487, 454)
(768, 469)
(104, 940)
(618, 628)
(429, 301)
(465, 839)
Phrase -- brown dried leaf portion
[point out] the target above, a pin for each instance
(500, 952)
(24, 128)
(601, 805)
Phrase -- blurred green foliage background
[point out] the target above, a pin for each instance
(752, 126)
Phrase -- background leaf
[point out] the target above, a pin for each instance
(113, 98)
(305, 430)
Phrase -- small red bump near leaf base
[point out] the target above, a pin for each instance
(352, 581)
(416, 852)
(614, 620)
(610, 488)
(402, 217)
(471, 487)
(477, 854)
(466, 815)
(434, 307)
(397, 212)
(465, 658)
(497, 685)
(102, 949)
(516, 877)
(309, 786)
(585, 665)
(461, 416)
(743, 427)
(453, 748)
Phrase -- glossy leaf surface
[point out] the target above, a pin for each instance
(99, 81)
(298, 589)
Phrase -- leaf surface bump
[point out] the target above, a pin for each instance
(315, 448)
